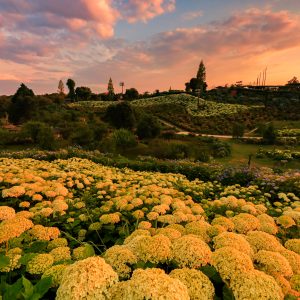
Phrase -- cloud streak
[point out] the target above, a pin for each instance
(47, 40)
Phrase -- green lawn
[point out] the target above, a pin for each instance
(240, 154)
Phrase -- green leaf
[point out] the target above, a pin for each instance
(28, 288)
(37, 247)
(26, 258)
(13, 291)
(4, 261)
(42, 287)
(227, 293)
(212, 274)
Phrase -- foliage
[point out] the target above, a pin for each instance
(238, 130)
(121, 115)
(131, 94)
(71, 87)
(148, 127)
(124, 138)
(83, 93)
(269, 135)
(21, 105)
(40, 134)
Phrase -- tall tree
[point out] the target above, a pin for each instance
(201, 77)
(71, 87)
(110, 87)
(61, 87)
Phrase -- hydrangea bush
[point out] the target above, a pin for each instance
(80, 230)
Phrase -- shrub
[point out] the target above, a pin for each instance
(7, 137)
(82, 135)
(148, 127)
(269, 135)
(238, 130)
(46, 139)
(124, 138)
(121, 115)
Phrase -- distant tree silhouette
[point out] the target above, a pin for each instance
(71, 87)
(83, 93)
(21, 104)
(61, 87)
(131, 94)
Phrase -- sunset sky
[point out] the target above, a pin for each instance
(148, 44)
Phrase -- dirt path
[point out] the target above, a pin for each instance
(181, 131)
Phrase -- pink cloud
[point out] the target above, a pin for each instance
(136, 10)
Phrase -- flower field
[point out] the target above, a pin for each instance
(190, 103)
(74, 229)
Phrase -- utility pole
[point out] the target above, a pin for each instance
(122, 85)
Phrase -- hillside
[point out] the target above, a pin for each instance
(182, 110)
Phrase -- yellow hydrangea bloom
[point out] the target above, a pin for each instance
(255, 285)
(199, 286)
(87, 279)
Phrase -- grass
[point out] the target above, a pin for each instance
(240, 155)
(286, 124)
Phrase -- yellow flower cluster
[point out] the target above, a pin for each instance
(295, 282)
(120, 258)
(156, 249)
(59, 242)
(44, 233)
(171, 233)
(234, 240)
(14, 227)
(6, 213)
(138, 232)
(87, 279)
(293, 245)
(272, 263)
(230, 262)
(56, 273)
(293, 259)
(39, 264)
(244, 223)
(199, 286)
(224, 222)
(190, 251)
(267, 224)
(13, 192)
(255, 285)
(61, 253)
(260, 240)
(198, 228)
(110, 218)
(285, 221)
(149, 284)
(83, 252)
(14, 256)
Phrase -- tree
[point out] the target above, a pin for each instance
(198, 84)
(22, 104)
(121, 115)
(201, 76)
(131, 94)
(187, 87)
(148, 127)
(61, 87)
(238, 130)
(269, 135)
(71, 87)
(83, 93)
(110, 88)
(294, 80)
